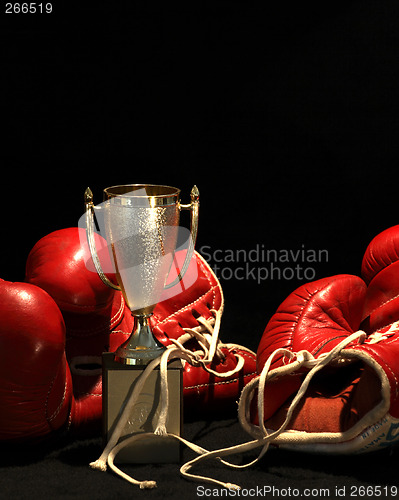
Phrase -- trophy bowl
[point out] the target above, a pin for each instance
(141, 224)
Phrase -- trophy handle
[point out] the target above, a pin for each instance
(194, 208)
(89, 205)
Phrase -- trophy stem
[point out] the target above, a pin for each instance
(141, 347)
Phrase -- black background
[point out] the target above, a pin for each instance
(285, 115)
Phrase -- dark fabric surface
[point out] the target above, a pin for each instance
(62, 471)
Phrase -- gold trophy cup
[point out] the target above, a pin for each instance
(141, 224)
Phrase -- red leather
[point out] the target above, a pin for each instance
(59, 264)
(35, 384)
(96, 317)
(380, 269)
(98, 320)
(316, 318)
(382, 251)
(182, 308)
(202, 390)
(207, 393)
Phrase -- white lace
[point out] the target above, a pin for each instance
(376, 337)
(296, 361)
(206, 334)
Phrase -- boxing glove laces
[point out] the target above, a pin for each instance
(328, 367)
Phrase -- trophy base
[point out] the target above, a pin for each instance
(142, 347)
(118, 383)
(139, 356)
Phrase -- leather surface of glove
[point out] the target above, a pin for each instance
(96, 316)
(36, 389)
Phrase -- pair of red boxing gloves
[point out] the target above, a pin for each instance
(327, 365)
(55, 326)
(328, 362)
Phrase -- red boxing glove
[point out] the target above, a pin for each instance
(380, 270)
(35, 384)
(98, 320)
(316, 318)
(328, 362)
(96, 317)
(193, 317)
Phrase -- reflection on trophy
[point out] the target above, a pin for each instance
(141, 224)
